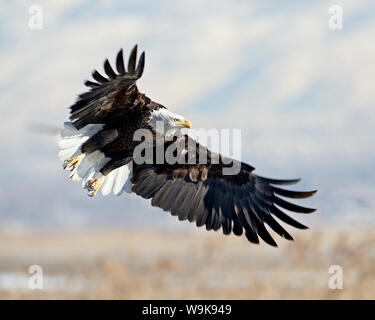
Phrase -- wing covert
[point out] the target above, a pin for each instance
(108, 94)
(241, 203)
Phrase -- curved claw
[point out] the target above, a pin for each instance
(72, 163)
(93, 185)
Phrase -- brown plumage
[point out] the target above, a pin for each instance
(200, 193)
(241, 203)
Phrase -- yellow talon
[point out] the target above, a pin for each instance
(93, 185)
(73, 162)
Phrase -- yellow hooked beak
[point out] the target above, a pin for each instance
(183, 123)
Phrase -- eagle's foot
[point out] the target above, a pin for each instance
(93, 185)
(73, 163)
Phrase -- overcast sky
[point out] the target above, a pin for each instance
(302, 94)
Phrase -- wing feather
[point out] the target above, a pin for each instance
(111, 96)
(108, 70)
(120, 63)
(244, 202)
(98, 77)
(132, 60)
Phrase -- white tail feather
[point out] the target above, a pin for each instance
(90, 166)
(124, 175)
(129, 174)
(117, 181)
(108, 183)
(72, 139)
(65, 154)
(67, 143)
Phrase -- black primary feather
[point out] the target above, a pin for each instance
(132, 60)
(110, 99)
(234, 203)
(120, 63)
(108, 70)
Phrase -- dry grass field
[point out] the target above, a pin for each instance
(123, 264)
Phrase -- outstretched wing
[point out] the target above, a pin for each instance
(109, 94)
(244, 202)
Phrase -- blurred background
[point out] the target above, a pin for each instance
(301, 93)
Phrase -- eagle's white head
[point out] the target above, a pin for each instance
(166, 122)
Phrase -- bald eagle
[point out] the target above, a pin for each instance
(97, 146)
